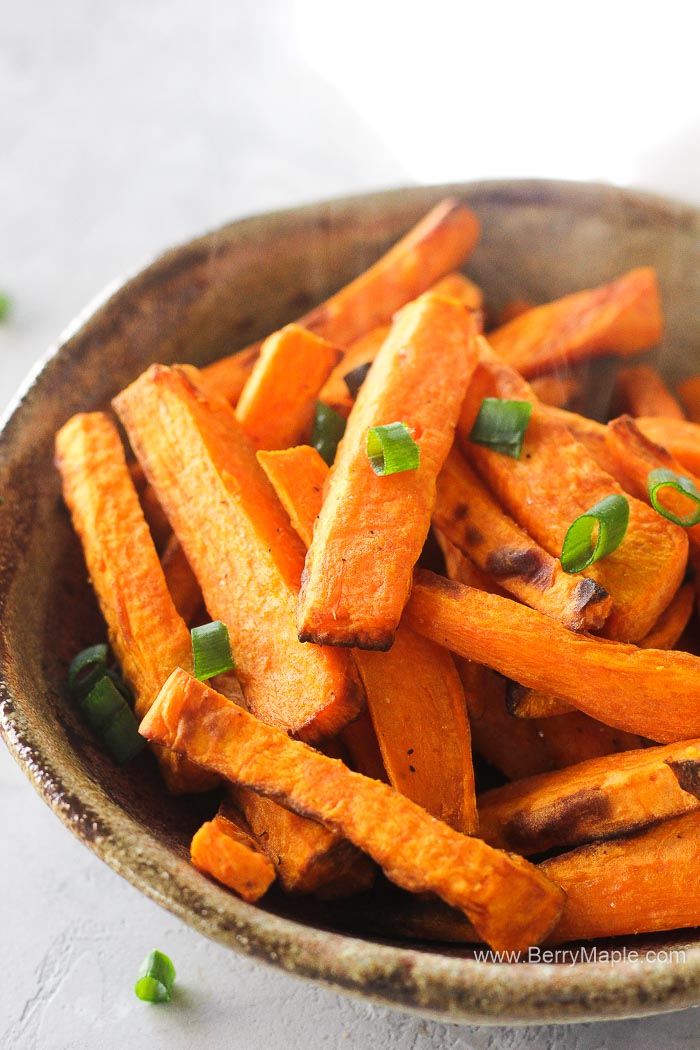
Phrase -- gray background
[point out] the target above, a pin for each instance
(125, 128)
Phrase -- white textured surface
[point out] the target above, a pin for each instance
(126, 128)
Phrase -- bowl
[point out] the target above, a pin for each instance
(201, 300)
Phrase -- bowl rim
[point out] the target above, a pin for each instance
(433, 983)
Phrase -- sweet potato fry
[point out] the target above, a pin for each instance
(276, 406)
(230, 374)
(639, 390)
(557, 390)
(224, 849)
(636, 454)
(648, 876)
(364, 350)
(307, 857)
(524, 747)
(680, 437)
(468, 515)
(182, 582)
(622, 317)
(598, 799)
(510, 904)
(241, 547)
(555, 481)
(371, 529)
(439, 243)
(417, 705)
(509, 744)
(591, 435)
(298, 476)
(147, 636)
(414, 695)
(533, 703)
(360, 740)
(646, 691)
(688, 393)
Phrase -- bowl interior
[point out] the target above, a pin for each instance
(200, 301)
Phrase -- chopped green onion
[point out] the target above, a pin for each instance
(156, 978)
(501, 425)
(391, 449)
(211, 649)
(356, 377)
(121, 686)
(328, 429)
(5, 305)
(661, 479)
(112, 720)
(595, 534)
(86, 669)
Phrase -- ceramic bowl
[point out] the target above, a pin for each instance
(195, 303)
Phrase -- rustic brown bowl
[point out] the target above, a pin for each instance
(207, 298)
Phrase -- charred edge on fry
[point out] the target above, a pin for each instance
(528, 829)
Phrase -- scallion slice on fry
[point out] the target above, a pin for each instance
(156, 978)
(662, 479)
(595, 534)
(391, 449)
(356, 377)
(86, 669)
(112, 720)
(328, 429)
(501, 425)
(211, 649)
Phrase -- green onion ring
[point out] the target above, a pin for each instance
(662, 478)
(611, 517)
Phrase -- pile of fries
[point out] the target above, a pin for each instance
(366, 687)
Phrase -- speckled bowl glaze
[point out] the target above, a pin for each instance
(207, 298)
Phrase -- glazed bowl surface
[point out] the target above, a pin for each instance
(207, 298)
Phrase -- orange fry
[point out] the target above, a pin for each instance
(242, 549)
(556, 480)
(470, 517)
(276, 406)
(509, 902)
(439, 243)
(411, 690)
(364, 350)
(597, 675)
(622, 317)
(147, 636)
(680, 437)
(593, 800)
(640, 391)
(371, 529)
(649, 876)
(223, 849)
(688, 392)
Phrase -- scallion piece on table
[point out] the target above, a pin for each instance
(211, 649)
(660, 479)
(595, 534)
(86, 669)
(501, 425)
(112, 720)
(5, 305)
(391, 449)
(328, 429)
(356, 377)
(156, 978)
